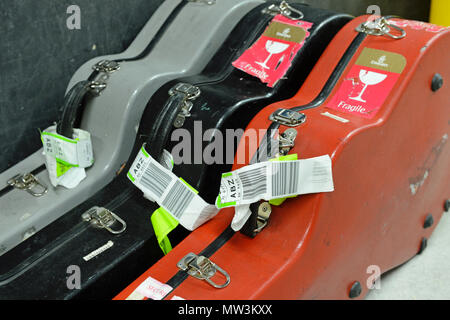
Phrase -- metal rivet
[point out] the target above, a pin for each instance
(428, 221)
(447, 205)
(355, 290)
(423, 245)
(437, 82)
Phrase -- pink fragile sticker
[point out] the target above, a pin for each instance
(368, 83)
(271, 56)
(153, 289)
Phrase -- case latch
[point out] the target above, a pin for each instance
(286, 141)
(380, 27)
(104, 68)
(191, 93)
(202, 268)
(28, 183)
(288, 117)
(284, 9)
(103, 218)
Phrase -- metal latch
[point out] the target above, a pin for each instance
(105, 68)
(108, 66)
(288, 117)
(103, 218)
(286, 141)
(191, 93)
(284, 9)
(264, 212)
(202, 268)
(380, 27)
(28, 183)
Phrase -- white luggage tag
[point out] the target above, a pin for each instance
(170, 192)
(66, 159)
(272, 180)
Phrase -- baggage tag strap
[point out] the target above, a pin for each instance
(171, 193)
(66, 159)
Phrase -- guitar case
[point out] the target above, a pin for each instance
(377, 103)
(109, 237)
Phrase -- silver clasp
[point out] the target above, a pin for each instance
(108, 66)
(103, 218)
(28, 182)
(284, 9)
(105, 68)
(286, 141)
(264, 212)
(202, 268)
(380, 27)
(191, 93)
(288, 117)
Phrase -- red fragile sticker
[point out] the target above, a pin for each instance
(368, 83)
(417, 25)
(271, 56)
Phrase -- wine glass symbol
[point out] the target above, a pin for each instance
(369, 78)
(273, 47)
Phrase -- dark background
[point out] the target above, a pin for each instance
(39, 54)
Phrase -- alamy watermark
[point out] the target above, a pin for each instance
(73, 22)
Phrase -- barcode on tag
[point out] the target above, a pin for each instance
(275, 180)
(155, 179)
(254, 182)
(162, 186)
(285, 178)
(178, 199)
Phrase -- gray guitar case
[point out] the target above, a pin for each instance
(178, 41)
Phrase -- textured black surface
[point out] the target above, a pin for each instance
(39, 55)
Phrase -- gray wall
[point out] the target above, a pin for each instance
(38, 54)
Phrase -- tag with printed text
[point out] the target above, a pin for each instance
(66, 159)
(274, 180)
(170, 192)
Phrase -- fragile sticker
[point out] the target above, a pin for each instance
(271, 56)
(417, 25)
(368, 83)
(151, 288)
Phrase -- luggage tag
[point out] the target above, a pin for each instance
(271, 56)
(270, 181)
(171, 193)
(66, 159)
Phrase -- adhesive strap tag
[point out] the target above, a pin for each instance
(170, 192)
(66, 158)
(75, 152)
(274, 180)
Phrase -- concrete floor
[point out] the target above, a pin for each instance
(426, 276)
